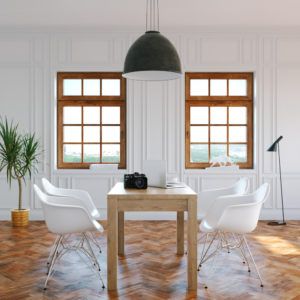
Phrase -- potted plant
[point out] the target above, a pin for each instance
(19, 155)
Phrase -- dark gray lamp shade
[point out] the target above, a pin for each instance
(273, 147)
(152, 57)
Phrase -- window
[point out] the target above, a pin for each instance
(91, 119)
(218, 118)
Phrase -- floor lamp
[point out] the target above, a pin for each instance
(275, 148)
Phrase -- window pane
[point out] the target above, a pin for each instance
(238, 153)
(237, 87)
(218, 134)
(199, 134)
(91, 87)
(72, 153)
(111, 87)
(72, 87)
(110, 115)
(217, 150)
(110, 134)
(199, 153)
(91, 134)
(72, 134)
(237, 115)
(91, 115)
(199, 115)
(238, 134)
(218, 115)
(111, 153)
(218, 87)
(72, 115)
(199, 87)
(91, 153)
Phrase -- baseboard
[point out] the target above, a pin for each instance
(266, 214)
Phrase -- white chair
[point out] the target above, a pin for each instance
(64, 220)
(235, 215)
(74, 197)
(207, 197)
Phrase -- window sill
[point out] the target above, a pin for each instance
(88, 172)
(210, 172)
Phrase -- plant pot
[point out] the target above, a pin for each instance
(20, 218)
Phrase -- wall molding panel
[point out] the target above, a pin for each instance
(155, 111)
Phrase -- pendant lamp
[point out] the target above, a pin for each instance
(152, 56)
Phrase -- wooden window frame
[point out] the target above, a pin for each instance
(213, 101)
(100, 101)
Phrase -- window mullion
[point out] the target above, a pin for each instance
(209, 150)
(227, 150)
(82, 134)
(101, 157)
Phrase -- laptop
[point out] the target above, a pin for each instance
(156, 172)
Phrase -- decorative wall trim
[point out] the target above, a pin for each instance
(43, 52)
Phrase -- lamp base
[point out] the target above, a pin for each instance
(276, 223)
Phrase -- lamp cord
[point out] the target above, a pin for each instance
(147, 4)
(152, 15)
(157, 15)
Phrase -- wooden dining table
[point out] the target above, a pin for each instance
(180, 200)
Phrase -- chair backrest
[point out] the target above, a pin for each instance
(241, 187)
(42, 196)
(241, 215)
(207, 197)
(46, 205)
(53, 190)
(81, 195)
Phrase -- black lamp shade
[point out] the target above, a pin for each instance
(152, 57)
(273, 147)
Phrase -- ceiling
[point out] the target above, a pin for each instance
(131, 13)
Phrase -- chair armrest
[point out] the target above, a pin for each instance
(73, 200)
(64, 219)
(236, 199)
(242, 183)
(87, 201)
(208, 197)
(214, 193)
(218, 206)
(240, 218)
(83, 196)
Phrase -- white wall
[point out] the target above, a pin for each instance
(155, 122)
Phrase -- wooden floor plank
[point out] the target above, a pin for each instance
(150, 269)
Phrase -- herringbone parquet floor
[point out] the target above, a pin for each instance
(150, 269)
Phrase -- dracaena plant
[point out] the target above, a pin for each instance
(19, 154)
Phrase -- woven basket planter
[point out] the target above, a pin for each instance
(20, 218)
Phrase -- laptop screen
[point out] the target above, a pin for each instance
(155, 171)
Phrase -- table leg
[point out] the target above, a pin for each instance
(180, 232)
(192, 244)
(121, 233)
(112, 243)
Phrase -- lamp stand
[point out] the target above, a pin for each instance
(278, 223)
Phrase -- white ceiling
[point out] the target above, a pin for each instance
(131, 13)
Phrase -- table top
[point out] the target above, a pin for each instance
(151, 192)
